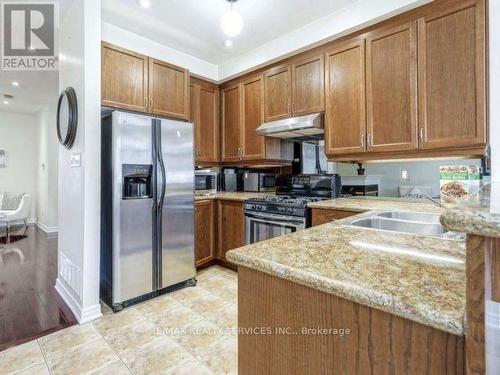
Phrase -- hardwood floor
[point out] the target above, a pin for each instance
(29, 304)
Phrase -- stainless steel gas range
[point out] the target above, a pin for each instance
(287, 212)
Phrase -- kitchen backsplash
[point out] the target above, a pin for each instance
(419, 173)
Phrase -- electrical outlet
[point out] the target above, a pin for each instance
(405, 174)
(76, 160)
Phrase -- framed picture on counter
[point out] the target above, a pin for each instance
(3, 159)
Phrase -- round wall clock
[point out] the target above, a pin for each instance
(67, 117)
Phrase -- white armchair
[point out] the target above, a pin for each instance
(21, 214)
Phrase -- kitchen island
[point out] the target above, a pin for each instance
(339, 299)
(479, 217)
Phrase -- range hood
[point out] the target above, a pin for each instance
(294, 128)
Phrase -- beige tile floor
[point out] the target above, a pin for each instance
(190, 331)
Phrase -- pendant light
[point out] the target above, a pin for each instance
(231, 22)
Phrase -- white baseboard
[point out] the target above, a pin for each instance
(90, 313)
(46, 228)
(83, 316)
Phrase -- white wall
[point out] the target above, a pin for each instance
(353, 17)
(126, 39)
(18, 138)
(422, 173)
(32, 152)
(46, 168)
(356, 16)
(79, 187)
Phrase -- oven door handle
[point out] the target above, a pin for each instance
(271, 220)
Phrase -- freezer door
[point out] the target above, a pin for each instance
(133, 217)
(176, 153)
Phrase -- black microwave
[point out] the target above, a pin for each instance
(205, 182)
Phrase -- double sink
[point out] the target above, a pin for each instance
(417, 223)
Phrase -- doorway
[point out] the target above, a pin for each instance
(29, 304)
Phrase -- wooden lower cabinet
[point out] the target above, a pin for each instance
(323, 216)
(372, 341)
(205, 224)
(231, 223)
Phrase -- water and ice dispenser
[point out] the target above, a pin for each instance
(137, 181)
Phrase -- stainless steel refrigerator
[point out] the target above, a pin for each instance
(147, 207)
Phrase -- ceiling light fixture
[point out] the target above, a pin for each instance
(15, 83)
(228, 43)
(231, 21)
(6, 102)
(144, 3)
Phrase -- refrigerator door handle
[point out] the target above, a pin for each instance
(163, 177)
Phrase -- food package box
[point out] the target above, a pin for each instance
(459, 182)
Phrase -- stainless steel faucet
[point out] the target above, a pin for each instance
(437, 203)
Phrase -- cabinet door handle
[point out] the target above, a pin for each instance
(422, 139)
(293, 108)
(289, 107)
(362, 141)
(145, 102)
(369, 140)
(151, 105)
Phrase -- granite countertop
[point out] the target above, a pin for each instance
(231, 196)
(417, 278)
(479, 215)
(363, 204)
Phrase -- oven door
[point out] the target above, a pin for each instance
(260, 227)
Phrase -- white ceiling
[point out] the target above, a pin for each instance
(192, 26)
(35, 90)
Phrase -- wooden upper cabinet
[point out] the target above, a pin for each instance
(278, 93)
(451, 76)
(208, 129)
(308, 85)
(345, 114)
(168, 90)
(295, 89)
(204, 98)
(231, 123)
(252, 100)
(139, 83)
(391, 88)
(194, 103)
(124, 78)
